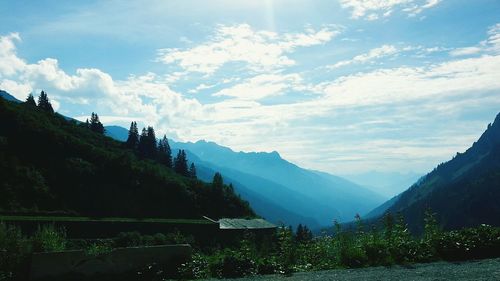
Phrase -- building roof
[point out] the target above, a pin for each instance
(245, 224)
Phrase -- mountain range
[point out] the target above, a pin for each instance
(278, 190)
(464, 191)
(388, 184)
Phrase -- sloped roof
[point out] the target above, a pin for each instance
(245, 224)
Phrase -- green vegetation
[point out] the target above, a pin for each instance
(359, 247)
(48, 238)
(16, 248)
(51, 164)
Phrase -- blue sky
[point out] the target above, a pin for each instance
(344, 86)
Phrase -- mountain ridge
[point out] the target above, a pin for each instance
(257, 168)
(463, 191)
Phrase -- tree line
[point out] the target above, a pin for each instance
(147, 147)
(145, 144)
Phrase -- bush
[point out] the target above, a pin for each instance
(101, 247)
(231, 264)
(128, 239)
(286, 254)
(377, 250)
(177, 237)
(48, 238)
(159, 239)
(14, 249)
(470, 243)
(196, 268)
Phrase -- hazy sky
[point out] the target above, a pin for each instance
(343, 86)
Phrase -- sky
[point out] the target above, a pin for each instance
(343, 86)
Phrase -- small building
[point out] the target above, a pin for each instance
(232, 230)
(245, 224)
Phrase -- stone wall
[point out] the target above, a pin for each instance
(119, 260)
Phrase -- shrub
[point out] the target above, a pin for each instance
(196, 268)
(98, 248)
(128, 239)
(14, 249)
(48, 238)
(177, 237)
(231, 264)
(470, 243)
(286, 250)
(159, 239)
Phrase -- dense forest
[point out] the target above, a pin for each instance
(51, 163)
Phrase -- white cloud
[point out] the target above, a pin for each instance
(18, 90)
(260, 50)
(147, 97)
(262, 86)
(9, 62)
(407, 83)
(411, 97)
(374, 9)
(493, 41)
(383, 51)
(490, 45)
(465, 51)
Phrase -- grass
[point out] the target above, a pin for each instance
(11, 218)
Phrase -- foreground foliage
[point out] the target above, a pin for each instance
(359, 247)
(283, 253)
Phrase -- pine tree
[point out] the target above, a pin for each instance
(133, 136)
(142, 145)
(147, 144)
(303, 233)
(96, 125)
(152, 148)
(192, 171)
(164, 152)
(218, 182)
(180, 163)
(151, 143)
(44, 103)
(30, 101)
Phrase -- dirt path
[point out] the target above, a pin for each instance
(463, 271)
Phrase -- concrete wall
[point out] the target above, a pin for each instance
(120, 260)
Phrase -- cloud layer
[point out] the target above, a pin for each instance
(259, 50)
(375, 9)
(380, 118)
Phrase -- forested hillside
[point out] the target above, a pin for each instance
(463, 192)
(50, 164)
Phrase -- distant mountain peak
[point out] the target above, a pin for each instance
(8, 96)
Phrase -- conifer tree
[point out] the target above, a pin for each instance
(147, 143)
(133, 136)
(164, 152)
(192, 171)
(180, 163)
(303, 233)
(30, 101)
(218, 182)
(141, 146)
(44, 103)
(96, 125)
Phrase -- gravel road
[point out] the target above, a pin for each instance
(463, 271)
